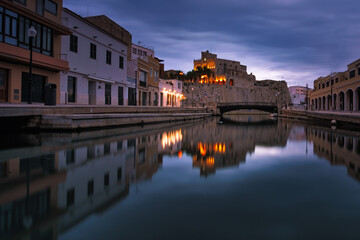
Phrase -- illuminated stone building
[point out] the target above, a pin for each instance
(224, 72)
(16, 17)
(338, 91)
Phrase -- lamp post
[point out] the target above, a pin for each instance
(32, 33)
(332, 97)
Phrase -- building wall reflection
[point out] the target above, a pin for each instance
(73, 182)
(338, 148)
(213, 145)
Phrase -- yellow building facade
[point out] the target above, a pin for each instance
(338, 91)
(148, 81)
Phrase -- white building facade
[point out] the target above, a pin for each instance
(98, 65)
(170, 92)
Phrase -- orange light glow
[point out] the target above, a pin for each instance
(210, 161)
(215, 148)
(171, 138)
(202, 149)
(180, 153)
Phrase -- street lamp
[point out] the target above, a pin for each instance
(32, 33)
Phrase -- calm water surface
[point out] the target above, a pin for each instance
(233, 178)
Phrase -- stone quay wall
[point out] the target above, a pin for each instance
(268, 91)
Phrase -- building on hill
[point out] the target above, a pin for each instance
(16, 18)
(223, 71)
(338, 91)
(97, 51)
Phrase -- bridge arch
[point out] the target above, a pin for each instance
(228, 107)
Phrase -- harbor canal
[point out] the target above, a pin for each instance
(238, 177)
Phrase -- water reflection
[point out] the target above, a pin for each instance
(339, 148)
(53, 181)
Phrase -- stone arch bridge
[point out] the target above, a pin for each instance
(232, 106)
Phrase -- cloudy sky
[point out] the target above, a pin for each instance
(293, 40)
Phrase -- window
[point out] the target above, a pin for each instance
(70, 156)
(14, 28)
(134, 50)
(108, 57)
(106, 179)
(51, 7)
(90, 188)
(71, 89)
(323, 85)
(142, 78)
(11, 21)
(119, 174)
(47, 5)
(144, 53)
(23, 2)
(319, 86)
(151, 72)
(352, 74)
(179, 85)
(327, 84)
(142, 156)
(359, 71)
(92, 51)
(139, 52)
(121, 62)
(156, 75)
(73, 43)
(119, 145)
(70, 197)
(332, 82)
(336, 80)
(40, 7)
(107, 148)
(1, 24)
(108, 94)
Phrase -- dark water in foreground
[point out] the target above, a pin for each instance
(238, 178)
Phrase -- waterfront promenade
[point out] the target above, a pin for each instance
(76, 117)
(344, 119)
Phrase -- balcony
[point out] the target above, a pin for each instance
(142, 84)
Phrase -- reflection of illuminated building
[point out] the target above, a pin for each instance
(339, 149)
(170, 142)
(216, 146)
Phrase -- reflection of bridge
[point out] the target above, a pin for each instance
(232, 106)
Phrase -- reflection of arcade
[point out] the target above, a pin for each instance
(339, 149)
(215, 145)
(68, 185)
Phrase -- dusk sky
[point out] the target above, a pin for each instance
(292, 40)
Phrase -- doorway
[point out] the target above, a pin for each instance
(92, 92)
(38, 84)
(3, 85)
